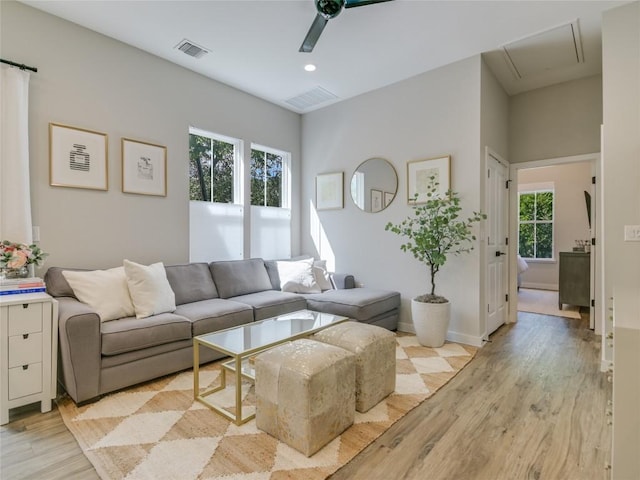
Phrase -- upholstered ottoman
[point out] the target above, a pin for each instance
(375, 350)
(305, 393)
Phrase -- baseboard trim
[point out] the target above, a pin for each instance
(474, 341)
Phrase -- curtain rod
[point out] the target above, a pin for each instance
(19, 65)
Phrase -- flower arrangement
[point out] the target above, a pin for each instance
(17, 255)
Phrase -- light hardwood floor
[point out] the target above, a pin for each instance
(531, 405)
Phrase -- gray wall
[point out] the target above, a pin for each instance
(91, 81)
(430, 115)
(556, 121)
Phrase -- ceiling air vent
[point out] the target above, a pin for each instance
(311, 98)
(557, 48)
(191, 49)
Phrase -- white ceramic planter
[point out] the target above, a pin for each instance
(431, 322)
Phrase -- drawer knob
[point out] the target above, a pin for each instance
(25, 336)
(25, 305)
(25, 367)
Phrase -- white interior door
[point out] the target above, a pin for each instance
(497, 205)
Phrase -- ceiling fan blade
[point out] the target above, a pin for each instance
(313, 34)
(362, 3)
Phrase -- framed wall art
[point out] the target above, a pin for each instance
(144, 168)
(329, 191)
(421, 174)
(376, 200)
(388, 198)
(77, 158)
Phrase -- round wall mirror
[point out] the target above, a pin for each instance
(374, 185)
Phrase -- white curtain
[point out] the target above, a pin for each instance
(15, 196)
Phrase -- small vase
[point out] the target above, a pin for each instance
(22, 272)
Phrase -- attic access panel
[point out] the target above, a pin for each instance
(553, 49)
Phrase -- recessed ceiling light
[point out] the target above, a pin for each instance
(310, 67)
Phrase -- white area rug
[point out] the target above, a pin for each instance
(545, 302)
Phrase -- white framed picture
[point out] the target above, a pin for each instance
(329, 191)
(144, 168)
(77, 158)
(422, 174)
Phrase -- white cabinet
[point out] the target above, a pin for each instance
(28, 351)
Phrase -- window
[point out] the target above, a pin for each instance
(214, 166)
(221, 227)
(267, 177)
(270, 214)
(535, 234)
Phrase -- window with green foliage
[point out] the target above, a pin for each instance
(266, 177)
(535, 234)
(212, 167)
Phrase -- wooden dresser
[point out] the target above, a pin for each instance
(573, 284)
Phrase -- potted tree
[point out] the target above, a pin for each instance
(433, 232)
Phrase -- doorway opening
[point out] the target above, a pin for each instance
(554, 222)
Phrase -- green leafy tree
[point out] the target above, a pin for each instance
(210, 169)
(266, 179)
(434, 232)
(535, 236)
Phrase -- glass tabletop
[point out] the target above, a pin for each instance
(257, 335)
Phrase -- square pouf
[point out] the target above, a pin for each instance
(375, 351)
(305, 393)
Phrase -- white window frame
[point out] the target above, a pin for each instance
(238, 167)
(529, 188)
(285, 194)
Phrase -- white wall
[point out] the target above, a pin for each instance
(557, 121)
(430, 115)
(88, 80)
(621, 192)
(570, 222)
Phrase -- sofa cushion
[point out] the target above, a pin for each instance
(361, 304)
(149, 288)
(297, 277)
(240, 277)
(130, 333)
(216, 314)
(320, 273)
(105, 291)
(272, 302)
(191, 282)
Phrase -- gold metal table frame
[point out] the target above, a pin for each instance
(239, 365)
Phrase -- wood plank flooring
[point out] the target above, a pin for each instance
(529, 406)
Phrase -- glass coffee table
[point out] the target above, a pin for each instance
(243, 342)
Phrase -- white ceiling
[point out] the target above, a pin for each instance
(254, 45)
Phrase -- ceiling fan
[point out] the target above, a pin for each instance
(328, 9)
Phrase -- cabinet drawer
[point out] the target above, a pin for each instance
(25, 318)
(25, 381)
(23, 351)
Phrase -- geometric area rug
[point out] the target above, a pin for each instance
(157, 431)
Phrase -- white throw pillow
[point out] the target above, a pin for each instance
(149, 288)
(105, 291)
(322, 276)
(297, 277)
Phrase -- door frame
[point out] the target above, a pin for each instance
(596, 252)
(484, 291)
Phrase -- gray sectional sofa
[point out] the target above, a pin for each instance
(100, 357)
